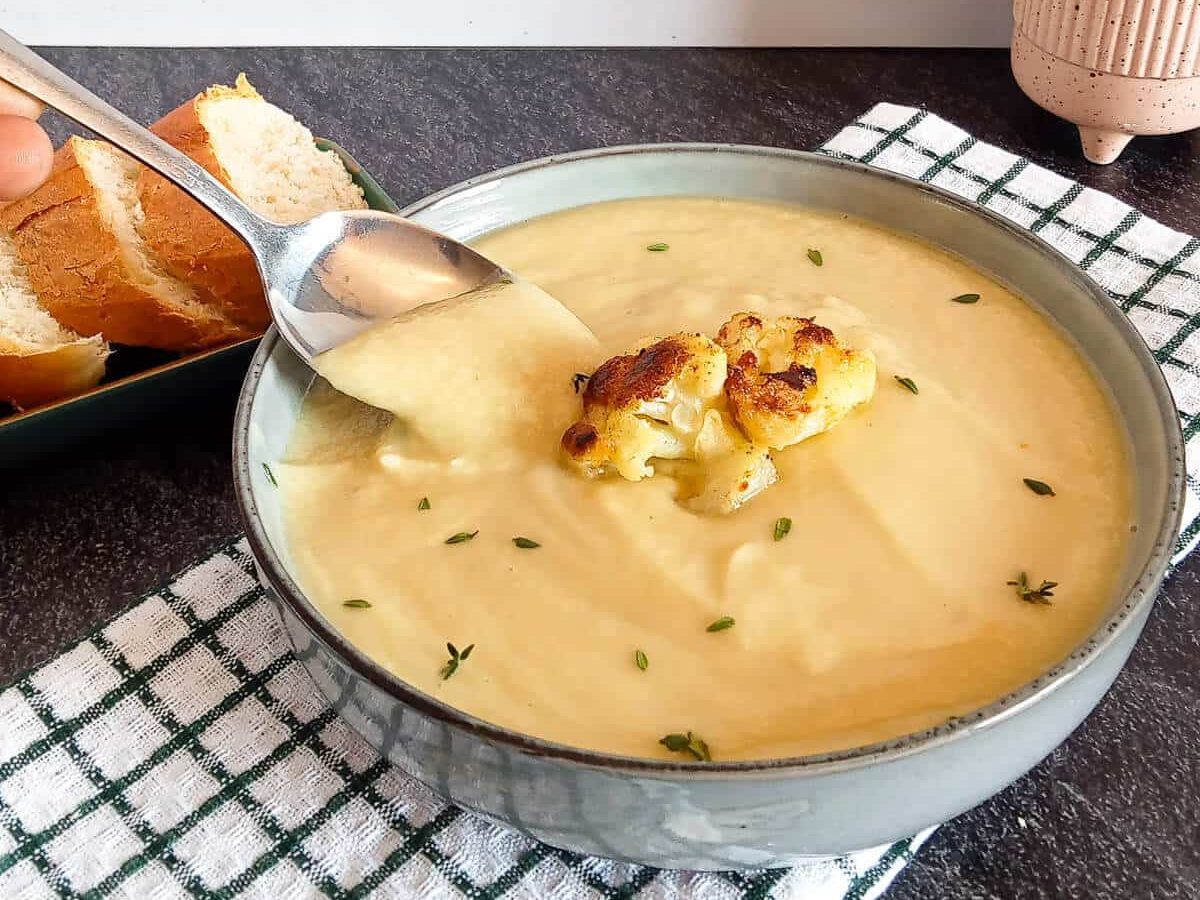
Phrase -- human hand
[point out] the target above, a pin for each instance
(26, 153)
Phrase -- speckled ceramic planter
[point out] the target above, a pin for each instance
(1115, 68)
(757, 812)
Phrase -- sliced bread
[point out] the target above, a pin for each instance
(264, 156)
(40, 360)
(78, 237)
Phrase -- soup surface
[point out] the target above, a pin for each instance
(887, 607)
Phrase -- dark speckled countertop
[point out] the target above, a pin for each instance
(1113, 813)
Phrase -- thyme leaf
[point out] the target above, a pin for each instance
(1039, 487)
(687, 743)
(1030, 594)
(456, 657)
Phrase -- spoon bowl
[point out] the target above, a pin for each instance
(326, 279)
(332, 276)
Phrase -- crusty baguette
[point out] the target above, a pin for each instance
(264, 156)
(40, 361)
(77, 237)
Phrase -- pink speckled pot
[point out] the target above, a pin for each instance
(1115, 68)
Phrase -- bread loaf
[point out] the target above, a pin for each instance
(40, 360)
(106, 249)
(269, 160)
(78, 237)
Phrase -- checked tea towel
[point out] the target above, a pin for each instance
(181, 751)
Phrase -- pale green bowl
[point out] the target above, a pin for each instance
(740, 814)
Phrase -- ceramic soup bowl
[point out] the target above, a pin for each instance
(737, 814)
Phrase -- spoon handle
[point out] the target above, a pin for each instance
(24, 69)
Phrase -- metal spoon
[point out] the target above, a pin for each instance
(326, 279)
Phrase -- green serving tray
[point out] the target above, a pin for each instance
(140, 382)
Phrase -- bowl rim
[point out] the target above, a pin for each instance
(1139, 599)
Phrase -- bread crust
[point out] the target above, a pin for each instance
(31, 377)
(76, 268)
(192, 243)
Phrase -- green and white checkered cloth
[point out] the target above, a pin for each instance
(181, 750)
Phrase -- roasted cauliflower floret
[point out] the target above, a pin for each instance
(647, 405)
(728, 470)
(790, 379)
(708, 413)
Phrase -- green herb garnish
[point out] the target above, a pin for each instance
(639, 657)
(456, 657)
(965, 298)
(1041, 594)
(525, 543)
(815, 257)
(578, 380)
(721, 624)
(687, 743)
(782, 527)
(356, 604)
(906, 383)
(1039, 487)
(270, 475)
(658, 248)
(461, 537)
(424, 504)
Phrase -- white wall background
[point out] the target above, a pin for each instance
(728, 23)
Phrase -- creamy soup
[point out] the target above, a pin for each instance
(886, 609)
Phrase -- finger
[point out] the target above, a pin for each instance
(25, 156)
(14, 102)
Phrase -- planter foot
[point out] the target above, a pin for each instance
(1103, 147)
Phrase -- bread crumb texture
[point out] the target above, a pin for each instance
(271, 159)
(23, 321)
(40, 360)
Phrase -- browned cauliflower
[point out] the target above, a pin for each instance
(647, 405)
(708, 413)
(790, 379)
